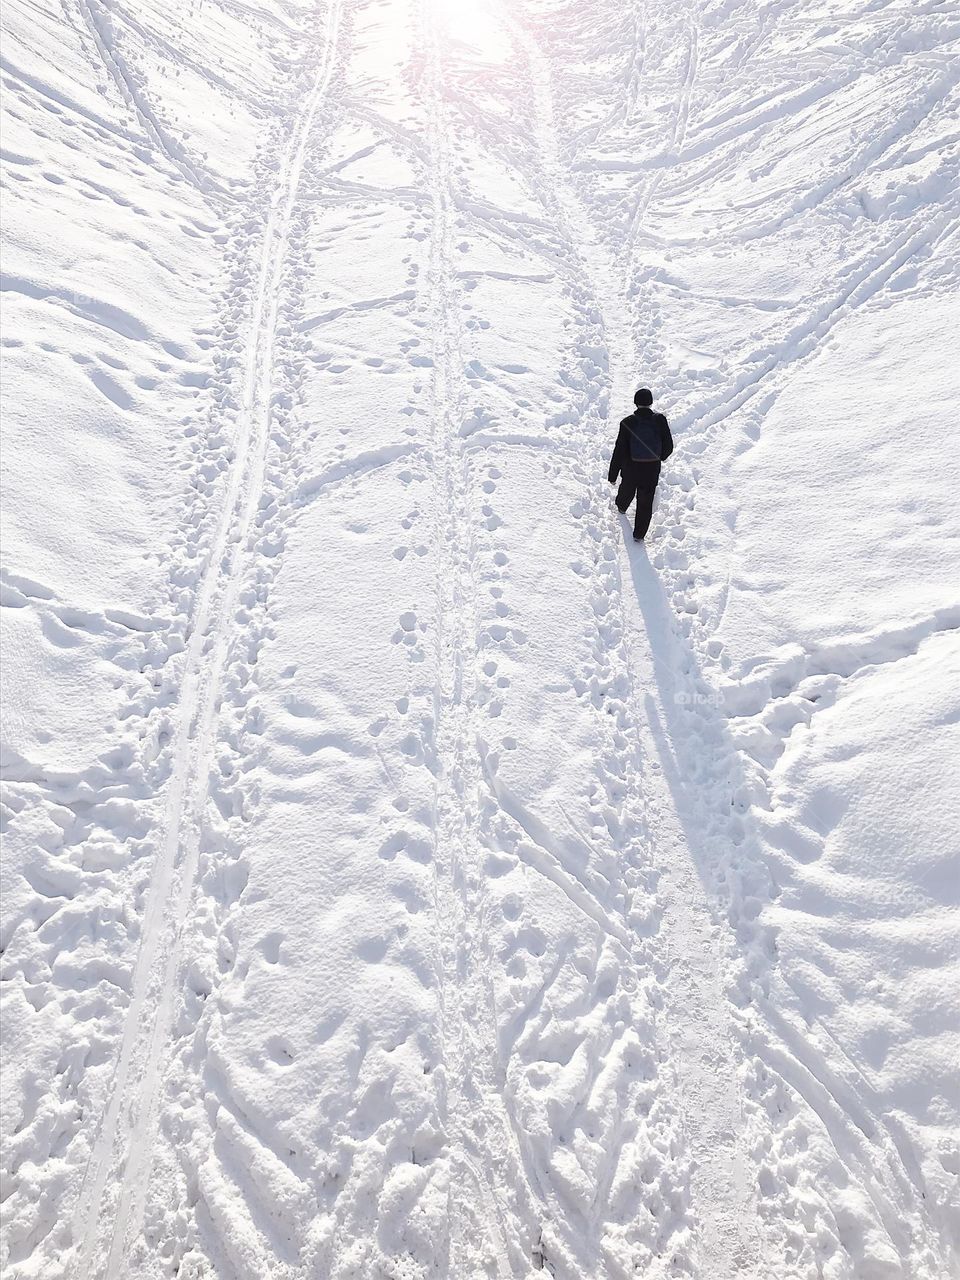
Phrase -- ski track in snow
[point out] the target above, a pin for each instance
(421, 918)
(148, 1023)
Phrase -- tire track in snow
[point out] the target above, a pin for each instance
(121, 1154)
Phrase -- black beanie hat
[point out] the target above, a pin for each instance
(644, 398)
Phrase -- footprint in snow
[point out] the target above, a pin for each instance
(281, 1052)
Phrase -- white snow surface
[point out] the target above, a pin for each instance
(406, 875)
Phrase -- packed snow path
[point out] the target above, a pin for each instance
(406, 875)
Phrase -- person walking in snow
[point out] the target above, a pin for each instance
(644, 441)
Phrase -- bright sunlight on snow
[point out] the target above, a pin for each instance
(408, 874)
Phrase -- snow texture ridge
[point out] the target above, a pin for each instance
(406, 875)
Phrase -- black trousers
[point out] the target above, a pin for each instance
(639, 480)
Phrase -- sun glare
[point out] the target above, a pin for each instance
(477, 25)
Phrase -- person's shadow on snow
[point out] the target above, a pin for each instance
(697, 757)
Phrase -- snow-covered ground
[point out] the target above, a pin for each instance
(406, 875)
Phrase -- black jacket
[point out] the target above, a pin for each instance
(649, 423)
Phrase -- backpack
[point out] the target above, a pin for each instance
(646, 440)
